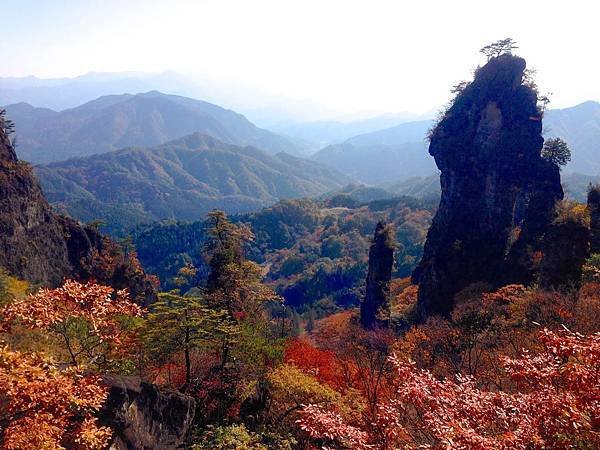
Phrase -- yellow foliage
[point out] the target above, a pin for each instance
(291, 388)
(572, 211)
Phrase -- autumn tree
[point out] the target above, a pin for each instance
(554, 406)
(83, 319)
(591, 269)
(44, 407)
(47, 404)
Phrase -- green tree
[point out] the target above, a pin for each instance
(6, 126)
(224, 249)
(179, 323)
(251, 343)
(556, 151)
(591, 269)
(498, 48)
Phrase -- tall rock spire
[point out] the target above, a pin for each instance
(498, 193)
(593, 202)
(375, 308)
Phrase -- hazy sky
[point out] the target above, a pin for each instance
(348, 55)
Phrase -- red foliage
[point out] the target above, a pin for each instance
(555, 406)
(319, 363)
(46, 407)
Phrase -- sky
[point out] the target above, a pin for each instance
(349, 56)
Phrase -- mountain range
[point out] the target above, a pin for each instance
(400, 152)
(263, 108)
(323, 133)
(387, 155)
(182, 179)
(117, 121)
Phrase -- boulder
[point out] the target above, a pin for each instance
(144, 417)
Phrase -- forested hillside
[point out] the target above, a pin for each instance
(183, 179)
(453, 311)
(315, 252)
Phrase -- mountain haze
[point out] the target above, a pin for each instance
(117, 121)
(323, 133)
(64, 93)
(400, 152)
(382, 156)
(579, 126)
(262, 108)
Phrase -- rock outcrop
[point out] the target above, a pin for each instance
(375, 308)
(593, 203)
(144, 417)
(566, 248)
(498, 194)
(43, 247)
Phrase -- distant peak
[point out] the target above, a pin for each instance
(195, 140)
(153, 93)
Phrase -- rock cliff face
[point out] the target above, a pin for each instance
(566, 247)
(144, 417)
(593, 202)
(498, 193)
(375, 308)
(42, 247)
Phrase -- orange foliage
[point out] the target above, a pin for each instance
(332, 331)
(47, 408)
(44, 406)
(98, 305)
(319, 363)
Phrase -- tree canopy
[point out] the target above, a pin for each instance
(556, 151)
(498, 48)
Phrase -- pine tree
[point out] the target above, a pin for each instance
(179, 323)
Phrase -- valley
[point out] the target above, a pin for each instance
(189, 262)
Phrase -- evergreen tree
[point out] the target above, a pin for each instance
(179, 323)
(498, 48)
(556, 151)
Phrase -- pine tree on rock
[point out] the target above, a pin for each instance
(375, 308)
(497, 191)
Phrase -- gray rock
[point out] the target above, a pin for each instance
(144, 417)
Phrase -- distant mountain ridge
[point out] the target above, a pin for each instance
(182, 179)
(400, 152)
(579, 126)
(117, 121)
(328, 132)
(262, 108)
(382, 156)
